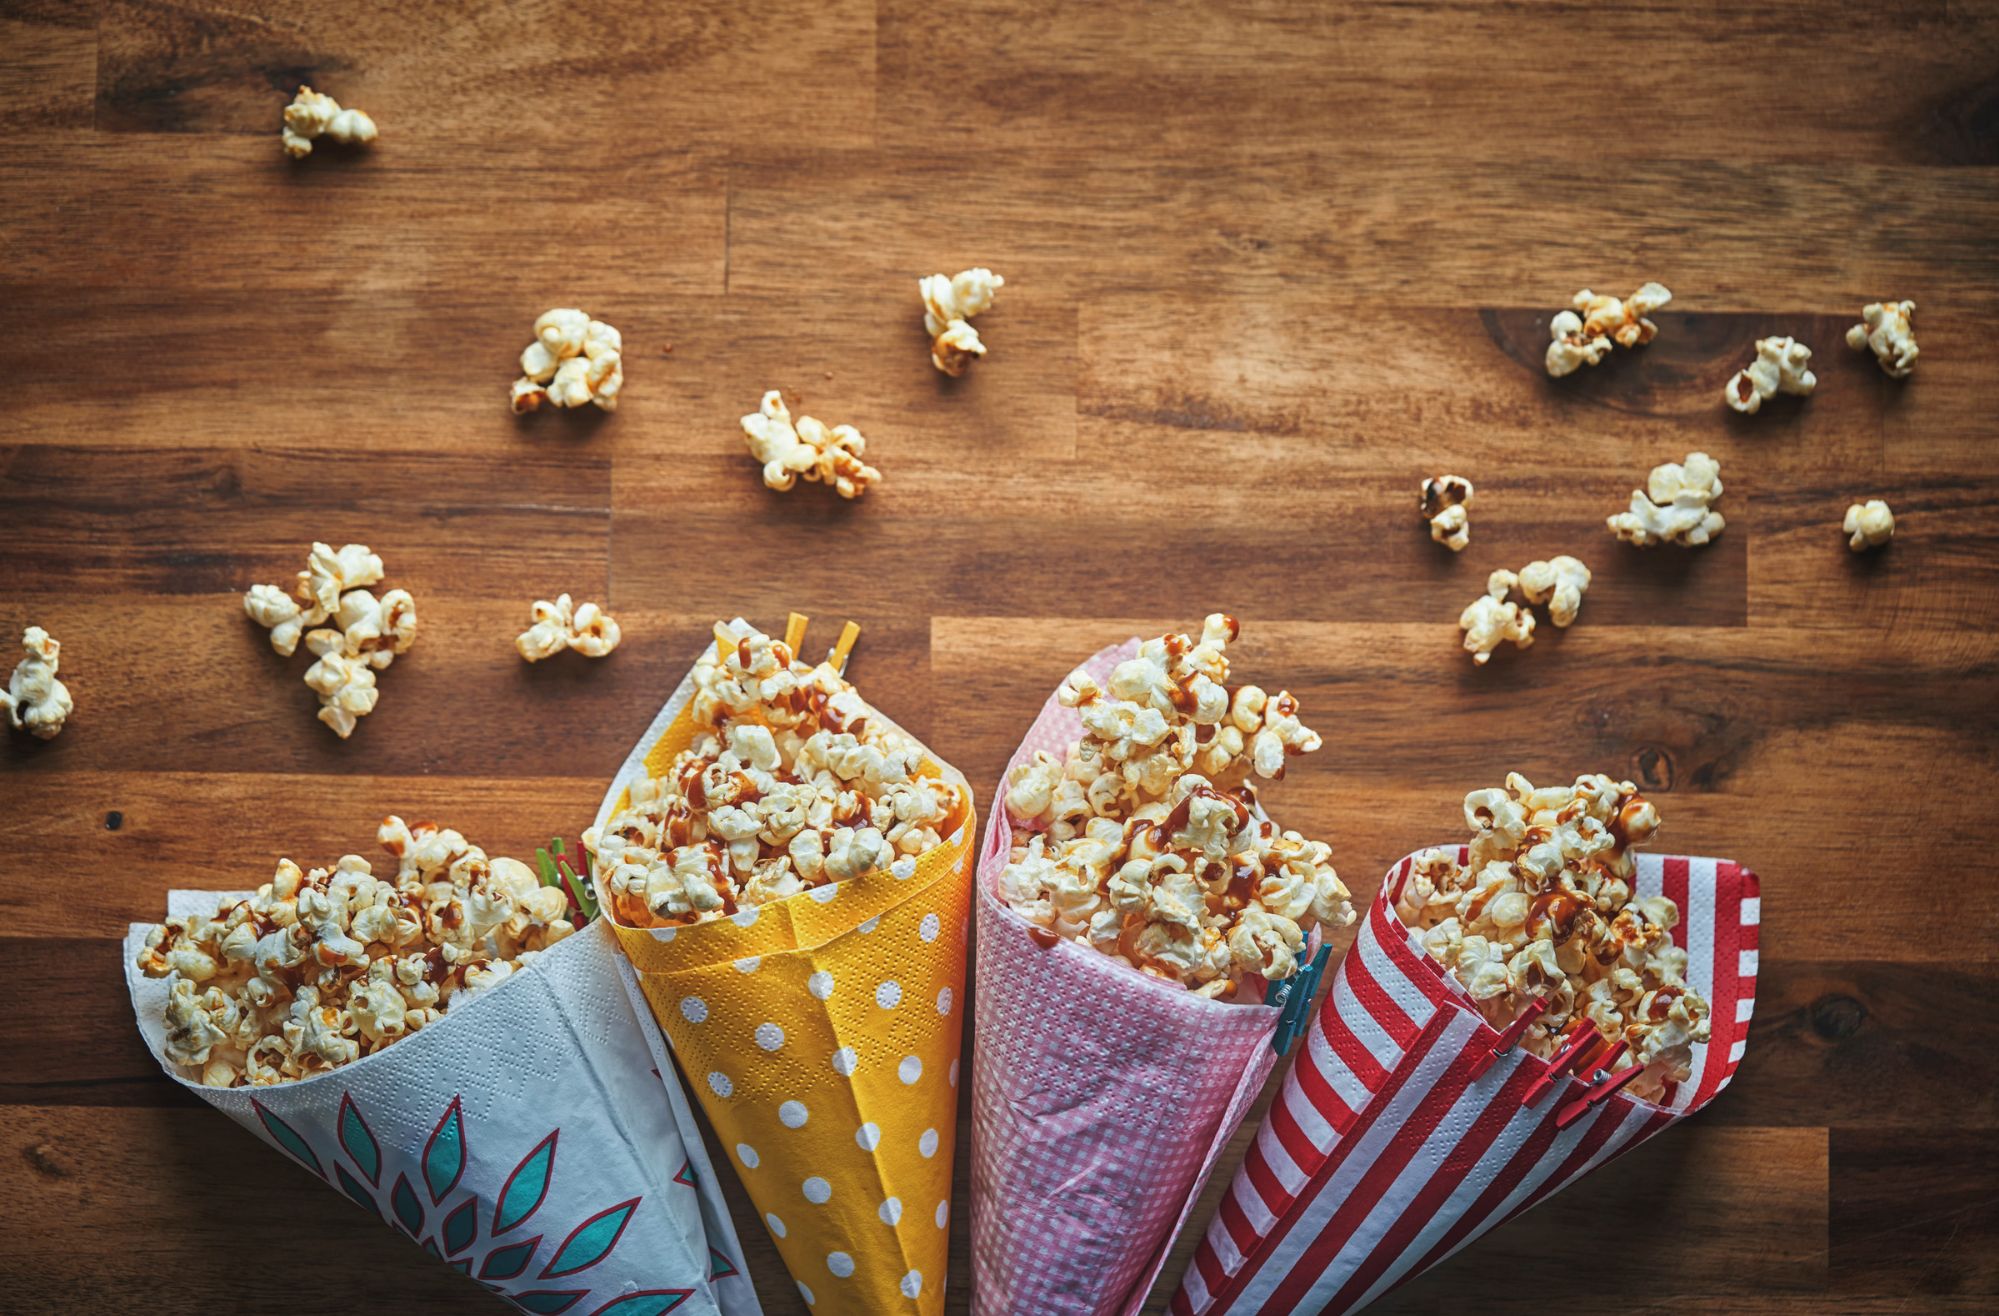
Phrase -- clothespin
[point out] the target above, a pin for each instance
(848, 634)
(1579, 1041)
(1596, 1096)
(794, 631)
(1511, 1037)
(725, 640)
(1292, 1021)
(1600, 1068)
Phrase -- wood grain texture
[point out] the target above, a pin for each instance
(1268, 265)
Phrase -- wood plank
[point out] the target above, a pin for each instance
(1915, 1212)
(50, 77)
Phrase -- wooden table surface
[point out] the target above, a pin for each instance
(1267, 267)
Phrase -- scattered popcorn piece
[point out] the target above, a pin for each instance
(793, 782)
(589, 630)
(370, 631)
(1491, 619)
(947, 305)
(1869, 526)
(1145, 840)
(821, 455)
(1885, 327)
(1679, 509)
(1586, 338)
(313, 115)
(36, 700)
(1544, 907)
(1447, 506)
(1560, 583)
(320, 969)
(1780, 367)
(572, 360)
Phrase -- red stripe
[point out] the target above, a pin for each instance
(1502, 1186)
(1380, 1176)
(1726, 986)
(1398, 876)
(1283, 1126)
(1181, 1306)
(1676, 890)
(1274, 1194)
(1241, 1232)
(1377, 1002)
(1347, 1048)
(1212, 1273)
(1377, 1103)
(1312, 1085)
(1392, 935)
(1607, 1123)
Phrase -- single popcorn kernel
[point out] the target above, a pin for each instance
(36, 701)
(572, 360)
(810, 449)
(589, 630)
(1583, 336)
(1780, 367)
(1869, 526)
(1545, 909)
(1560, 583)
(1446, 503)
(314, 115)
(1678, 510)
(370, 631)
(1886, 329)
(1490, 619)
(947, 306)
(1145, 839)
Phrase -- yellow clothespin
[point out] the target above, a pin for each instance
(838, 657)
(794, 631)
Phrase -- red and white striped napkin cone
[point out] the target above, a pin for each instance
(1101, 1098)
(1382, 1155)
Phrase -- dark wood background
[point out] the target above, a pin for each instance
(1267, 267)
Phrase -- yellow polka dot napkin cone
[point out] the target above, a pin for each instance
(820, 1034)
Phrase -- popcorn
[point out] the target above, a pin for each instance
(572, 360)
(320, 969)
(1586, 338)
(1544, 908)
(1779, 367)
(366, 636)
(1869, 526)
(1679, 507)
(1559, 583)
(1885, 327)
(1146, 839)
(313, 115)
(1447, 506)
(793, 783)
(36, 700)
(810, 449)
(1490, 619)
(947, 306)
(589, 630)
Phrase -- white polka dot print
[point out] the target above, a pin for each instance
(840, 1264)
(792, 1114)
(817, 1190)
(869, 1136)
(844, 1061)
(805, 1293)
(904, 869)
(889, 995)
(694, 1009)
(890, 1211)
(742, 918)
(871, 924)
(820, 984)
(663, 934)
(910, 1069)
(769, 1036)
(944, 1001)
(954, 1073)
(943, 1215)
(750, 965)
(719, 1084)
(912, 1284)
(746, 1154)
(927, 1144)
(822, 894)
(776, 1225)
(928, 928)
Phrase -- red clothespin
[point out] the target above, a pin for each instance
(1603, 1066)
(1511, 1037)
(1585, 1037)
(1596, 1096)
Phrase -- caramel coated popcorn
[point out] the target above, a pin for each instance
(589, 630)
(1584, 335)
(948, 304)
(36, 701)
(809, 449)
(1885, 329)
(312, 115)
(1868, 526)
(367, 632)
(794, 782)
(1446, 504)
(1490, 619)
(319, 969)
(572, 360)
(1781, 366)
(1544, 908)
(1680, 508)
(1145, 840)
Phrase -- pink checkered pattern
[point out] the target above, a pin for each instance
(1383, 1154)
(1100, 1098)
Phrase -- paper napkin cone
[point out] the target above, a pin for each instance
(534, 1138)
(1382, 1156)
(820, 1034)
(1101, 1098)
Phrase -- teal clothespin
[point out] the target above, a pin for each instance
(1301, 987)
